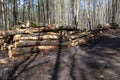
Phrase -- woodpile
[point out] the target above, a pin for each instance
(34, 40)
(108, 25)
(37, 40)
(3, 40)
(5, 61)
(114, 25)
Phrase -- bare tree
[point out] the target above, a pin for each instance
(15, 12)
(23, 19)
(3, 14)
(30, 10)
(7, 15)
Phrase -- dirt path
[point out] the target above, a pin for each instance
(97, 60)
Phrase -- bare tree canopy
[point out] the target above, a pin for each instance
(78, 13)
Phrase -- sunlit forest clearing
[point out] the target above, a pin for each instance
(59, 39)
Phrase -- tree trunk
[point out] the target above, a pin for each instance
(23, 19)
(48, 12)
(76, 11)
(30, 10)
(15, 12)
(113, 11)
(7, 15)
(39, 11)
(3, 14)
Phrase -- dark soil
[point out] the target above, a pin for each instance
(96, 60)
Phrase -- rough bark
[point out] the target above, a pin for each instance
(3, 14)
(15, 12)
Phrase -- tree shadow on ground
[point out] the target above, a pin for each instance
(21, 66)
(95, 60)
(72, 69)
(12, 74)
(58, 58)
(99, 55)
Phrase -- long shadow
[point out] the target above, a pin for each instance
(25, 67)
(15, 68)
(95, 59)
(11, 74)
(57, 64)
(83, 75)
(98, 59)
(72, 69)
(39, 64)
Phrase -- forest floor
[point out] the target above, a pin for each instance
(96, 60)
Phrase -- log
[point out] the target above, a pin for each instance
(39, 34)
(21, 31)
(39, 43)
(78, 42)
(1, 37)
(79, 35)
(98, 30)
(13, 32)
(1, 33)
(45, 37)
(1, 40)
(77, 31)
(105, 25)
(29, 50)
(35, 30)
(5, 61)
(10, 47)
(22, 40)
(39, 30)
(42, 29)
(114, 25)
(46, 33)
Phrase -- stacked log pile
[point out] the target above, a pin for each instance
(34, 40)
(27, 41)
(3, 40)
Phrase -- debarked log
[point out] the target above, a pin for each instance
(1, 37)
(78, 42)
(38, 34)
(2, 33)
(14, 32)
(79, 35)
(37, 30)
(39, 43)
(29, 50)
(47, 37)
(45, 33)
